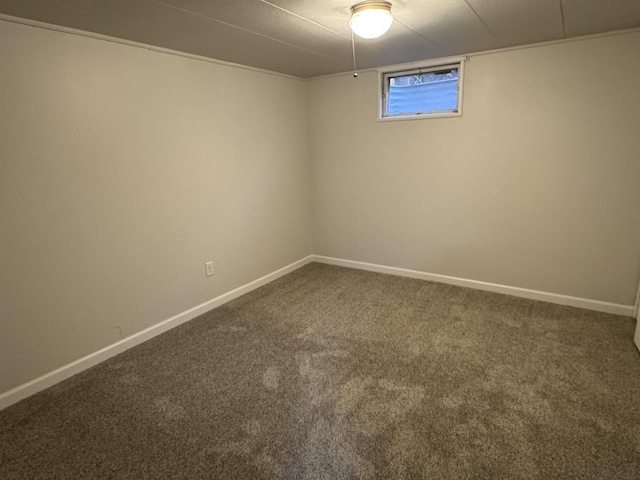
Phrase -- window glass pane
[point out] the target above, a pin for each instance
(427, 92)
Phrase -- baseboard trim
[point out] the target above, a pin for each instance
(596, 305)
(637, 311)
(49, 379)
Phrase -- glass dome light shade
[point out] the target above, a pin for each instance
(371, 19)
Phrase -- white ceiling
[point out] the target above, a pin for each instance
(308, 38)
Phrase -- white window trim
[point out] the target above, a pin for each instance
(416, 66)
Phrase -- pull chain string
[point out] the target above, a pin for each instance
(353, 50)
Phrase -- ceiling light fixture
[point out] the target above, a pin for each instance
(371, 19)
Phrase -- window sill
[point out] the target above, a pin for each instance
(424, 116)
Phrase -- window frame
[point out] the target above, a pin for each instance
(419, 67)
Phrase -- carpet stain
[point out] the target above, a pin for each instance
(266, 463)
(457, 312)
(473, 430)
(236, 447)
(349, 395)
(330, 453)
(271, 378)
(316, 369)
(245, 442)
(129, 378)
(604, 424)
(452, 401)
(169, 409)
(444, 342)
(230, 328)
(375, 405)
(402, 453)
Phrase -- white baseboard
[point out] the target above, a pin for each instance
(637, 312)
(598, 306)
(47, 380)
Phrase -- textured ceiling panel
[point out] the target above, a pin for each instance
(399, 45)
(584, 17)
(57, 12)
(264, 19)
(333, 14)
(520, 22)
(215, 35)
(451, 25)
(308, 38)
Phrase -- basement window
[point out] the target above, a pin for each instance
(434, 91)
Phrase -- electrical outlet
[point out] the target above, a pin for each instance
(209, 268)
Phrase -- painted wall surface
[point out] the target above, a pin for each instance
(535, 186)
(122, 171)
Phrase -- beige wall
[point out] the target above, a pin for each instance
(122, 171)
(535, 186)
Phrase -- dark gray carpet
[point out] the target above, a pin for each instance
(333, 373)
